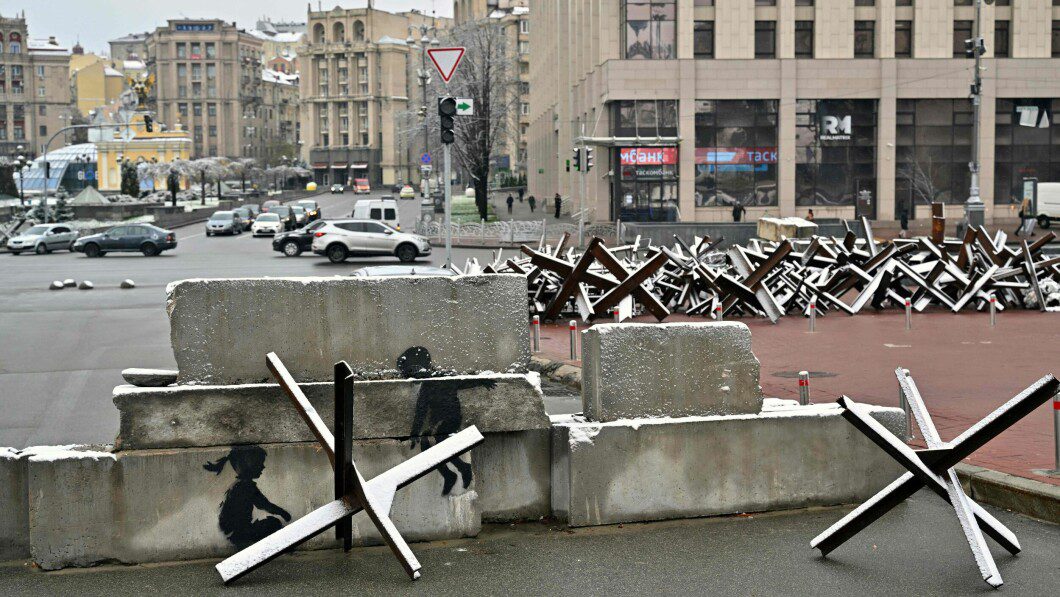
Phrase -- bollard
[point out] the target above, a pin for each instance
(908, 315)
(1056, 432)
(537, 333)
(573, 340)
(804, 387)
(813, 314)
(615, 311)
(903, 403)
(993, 310)
(718, 314)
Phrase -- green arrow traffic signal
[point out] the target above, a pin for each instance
(463, 106)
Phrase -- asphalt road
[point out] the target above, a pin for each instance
(916, 549)
(62, 352)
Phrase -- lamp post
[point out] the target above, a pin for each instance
(283, 174)
(425, 80)
(974, 210)
(21, 161)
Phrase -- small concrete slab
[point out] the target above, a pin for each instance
(69, 283)
(128, 284)
(149, 378)
(86, 285)
(56, 285)
(632, 370)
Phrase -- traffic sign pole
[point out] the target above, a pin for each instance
(448, 207)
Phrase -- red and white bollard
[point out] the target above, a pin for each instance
(536, 333)
(804, 387)
(717, 313)
(1056, 432)
(908, 315)
(574, 340)
(616, 312)
(813, 314)
(993, 310)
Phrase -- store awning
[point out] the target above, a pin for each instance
(320, 165)
(629, 141)
(339, 165)
(359, 166)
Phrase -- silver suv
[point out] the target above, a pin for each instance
(43, 238)
(340, 239)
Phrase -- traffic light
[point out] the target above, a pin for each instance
(577, 160)
(590, 161)
(974, 46)
(149, 124)
(446, 112)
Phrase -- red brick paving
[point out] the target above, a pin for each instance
(963, 367)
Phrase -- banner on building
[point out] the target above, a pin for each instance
(736, 155)
(648, 156)
(1034, 113)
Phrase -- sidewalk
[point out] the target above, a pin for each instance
(521, 211)
(916, 549)
(963, 367)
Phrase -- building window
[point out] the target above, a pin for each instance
(1001, 39)
(645, 187)
(703, 40)
(835, 149)
(903, 39)
(524, 47)
(40, 71)
(211, 109)
(765, 39)
(524, 26)
(864, 2)
(765, 2)
(864, 39)
(1027, 144)
(803, 2)
(934, 146)
(804, 39)
(182, 109)
(213, 130)
(962, 30)
(42, 92)
(651, 29)
(962, 2)
(211, 50)
(1056, 36)
(15, 47)
(42, 110)
(736, 152)
(903, 3)
(182, 50)
(524, 108)
(43, 131)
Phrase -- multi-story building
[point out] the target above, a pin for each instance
(514, 17)
(209, 78)
(280, 136)
(790, 105)
(129, 47)
(34, 88)
(94, 80)
(357, 77)
(280, 42)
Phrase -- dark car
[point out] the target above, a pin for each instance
(143, 238)
(293, 243)
(312, 208)
(286, 214)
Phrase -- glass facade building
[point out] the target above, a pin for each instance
(645, 185)
(1027, 145)
(934, 146)
(736, 152)
(835, 151)
(72, 167)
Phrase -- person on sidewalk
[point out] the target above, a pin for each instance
(809, 215)
(738, 210)
(533, 203)
(509, 201)
(903, 220)
(1024, 206)
(521, 191)
(558, 204)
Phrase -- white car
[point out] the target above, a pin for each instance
(407, 192)
(267, 224)
(43, 238)
(341, 239)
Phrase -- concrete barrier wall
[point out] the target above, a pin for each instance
(159, 505)
(467, 324)
(14, 522)
(656, 469)
(200, 416)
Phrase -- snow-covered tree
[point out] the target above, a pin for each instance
(205, 170)
(243, 169)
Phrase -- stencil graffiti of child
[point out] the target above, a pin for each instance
(236, 518)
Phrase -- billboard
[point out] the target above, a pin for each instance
(648, 156)
(736, 155)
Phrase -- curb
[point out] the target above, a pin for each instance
(1016, 494)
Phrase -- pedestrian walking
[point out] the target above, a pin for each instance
(509, 201)
(903, 220)
(738, 210)
(521, 191)
(558, 204)
(809, 215)
(532, 202)
(1025, 208)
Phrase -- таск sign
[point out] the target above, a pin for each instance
(648, 156)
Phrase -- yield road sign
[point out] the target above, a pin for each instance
(465, 107)
(446, 60)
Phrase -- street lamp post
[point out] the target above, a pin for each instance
(425, 80)
(974, 209)
(21, 161)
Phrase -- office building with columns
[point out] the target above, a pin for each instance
(786, 106)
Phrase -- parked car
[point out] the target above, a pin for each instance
(267, 224)
(337, 189)
(402, 270)
(407, 192)
(361, 186)
(312, 208)
(301, 218)
(254, 208)
(144, 238)
(246, 215)
(224, 222)
(268, 205)
(381, 210)
(43, 238)
(295, 242)
(338, 240)
(286, 215)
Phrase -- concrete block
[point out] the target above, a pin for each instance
(14, 523)
(776, 229)
(788, 456)
(162, 505)
(513, 475)
(199, 416)
(464, 324)
(149, 378)
(634, 370)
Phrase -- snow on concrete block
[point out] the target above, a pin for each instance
(149, 378)
(69, 283)
(457, 325)
(776, 229)
(56, 285)
(632, 370)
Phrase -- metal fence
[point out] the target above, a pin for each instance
(512, 231)
(739, 233)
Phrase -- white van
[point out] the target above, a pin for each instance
(380, 210)
(1048, 203)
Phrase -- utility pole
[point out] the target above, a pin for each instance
(974, 210)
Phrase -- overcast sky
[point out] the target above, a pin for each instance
(94, 22)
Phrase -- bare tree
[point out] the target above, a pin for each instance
(921, 180)
(488, 76)
(208, 170)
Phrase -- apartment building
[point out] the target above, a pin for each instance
(358, 74)
(34, 89)
(785, 106)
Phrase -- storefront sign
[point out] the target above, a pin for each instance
(1034, 114)
(648, 156)
(836, 127)
(193, 27)
(736, 155)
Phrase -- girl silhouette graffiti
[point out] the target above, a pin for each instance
(438, 411)
(236, 519)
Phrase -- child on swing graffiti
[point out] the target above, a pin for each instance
(237, 510)
(438, 412)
